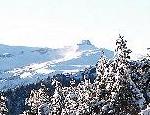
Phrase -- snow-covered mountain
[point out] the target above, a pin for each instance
(21, 65)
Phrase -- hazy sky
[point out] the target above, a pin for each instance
(55, 23)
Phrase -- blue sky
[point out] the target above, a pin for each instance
(55, 23)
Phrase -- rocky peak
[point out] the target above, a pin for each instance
(85, 42)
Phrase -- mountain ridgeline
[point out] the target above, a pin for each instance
(18, 56)
(27, 65)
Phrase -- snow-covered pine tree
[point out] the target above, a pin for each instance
(119, 93)
(56, 102)
(3, 108)
(38, 101)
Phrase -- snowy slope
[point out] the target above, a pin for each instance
(14, 56)
(24, 65)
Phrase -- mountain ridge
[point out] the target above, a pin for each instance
(23, 65)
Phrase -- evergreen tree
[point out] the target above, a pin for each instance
(3, 107)
(38, 101)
